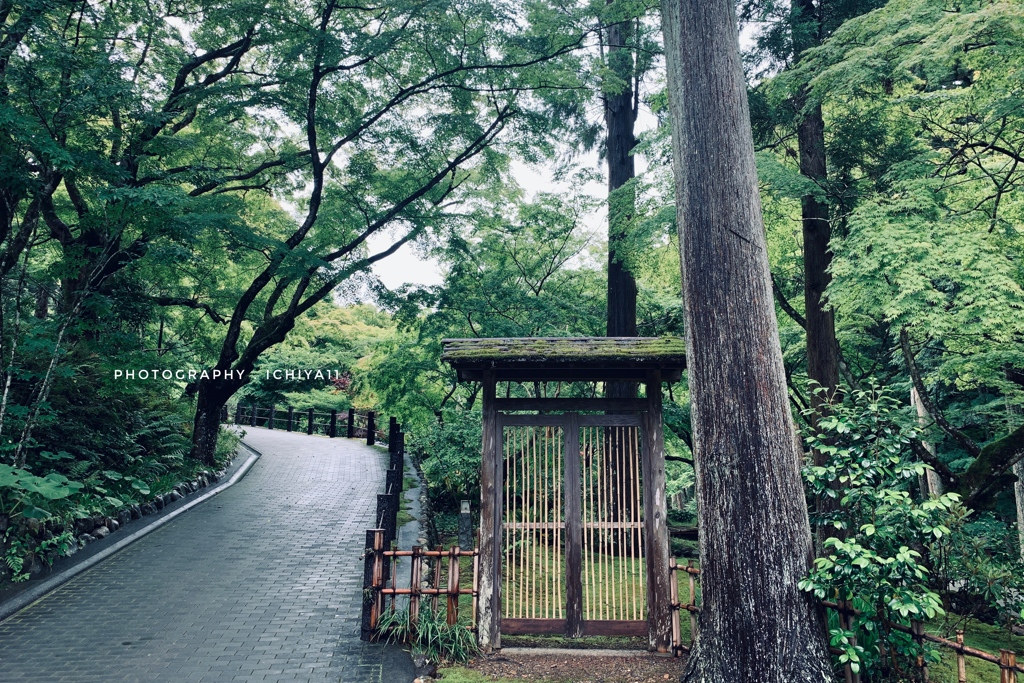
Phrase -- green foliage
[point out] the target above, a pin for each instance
(878, 558)
(430, 635)
(892, 557)
(450, 459)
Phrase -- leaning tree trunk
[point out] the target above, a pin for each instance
(211, 397)
(755, 625)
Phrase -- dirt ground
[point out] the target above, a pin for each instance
(580, 669)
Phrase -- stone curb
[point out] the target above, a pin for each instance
(573, 652)
(23, 600)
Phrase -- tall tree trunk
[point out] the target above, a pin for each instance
(755, 625)
(619, 117)
(822, 348)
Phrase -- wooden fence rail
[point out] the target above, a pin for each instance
(433, 574)
(1006, 660)
(355, 424)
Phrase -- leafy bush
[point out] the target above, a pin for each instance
(878, 559)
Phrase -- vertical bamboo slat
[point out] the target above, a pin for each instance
(437, 578)
(677, 636)
(1007, 667)
(414, 584)
(509, 567)
(534, 518)
(452, 608)
(476, 577)
(693, 602)
(961, 660)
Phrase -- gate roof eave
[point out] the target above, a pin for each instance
(549, 359)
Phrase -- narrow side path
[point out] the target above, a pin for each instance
(261, 583)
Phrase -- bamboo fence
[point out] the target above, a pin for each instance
(433, 574)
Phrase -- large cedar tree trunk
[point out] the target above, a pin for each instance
(755, 625)
(619, 118)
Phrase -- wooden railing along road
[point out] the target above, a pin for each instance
(354, 424)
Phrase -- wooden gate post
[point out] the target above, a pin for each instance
(270, 420)
(310, 421)
(372, 581)
(350, 431)
(334, 424)
(291, 419)
(656, 543)
(488, 619)
(252, 418)
(238, 413)
(371, 436)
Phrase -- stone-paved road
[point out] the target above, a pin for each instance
(261, 583)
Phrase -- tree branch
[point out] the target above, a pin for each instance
(190, 303)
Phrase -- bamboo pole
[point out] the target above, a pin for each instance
(620, 518)
(634, 516)
(414, 585)
(437, 578)
(454, 591)
(560, 478)
(1007, 667)
(476, 585)
(547, 518)
(588, 518)
(535, 532)
(677, 636)
(961, 660)
(693, 602)
(602, 537)
(524, 563)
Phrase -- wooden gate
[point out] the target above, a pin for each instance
(572, 525)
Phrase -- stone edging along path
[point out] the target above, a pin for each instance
(78, 565)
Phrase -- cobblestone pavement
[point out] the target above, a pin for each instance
(261, 583)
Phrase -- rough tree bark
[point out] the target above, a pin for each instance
(755, 624)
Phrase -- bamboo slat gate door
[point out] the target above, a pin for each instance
(573, 536)
(573, 550)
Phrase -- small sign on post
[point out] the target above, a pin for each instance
(465, 526)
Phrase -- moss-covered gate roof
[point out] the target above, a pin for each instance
(566, 358)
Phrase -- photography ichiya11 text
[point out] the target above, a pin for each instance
(193, 375)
